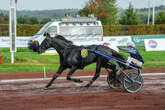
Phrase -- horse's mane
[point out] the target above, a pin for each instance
(62, 38)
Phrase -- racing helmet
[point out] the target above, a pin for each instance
(131, 44)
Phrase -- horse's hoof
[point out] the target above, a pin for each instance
(46, 88)
(87, 86)
(77, 80)
(80, 81)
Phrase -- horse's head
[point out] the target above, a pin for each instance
(46, 43)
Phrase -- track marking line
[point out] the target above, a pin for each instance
(63, 78)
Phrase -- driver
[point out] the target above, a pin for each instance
(134, 53)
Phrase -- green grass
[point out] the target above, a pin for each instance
(28, 61)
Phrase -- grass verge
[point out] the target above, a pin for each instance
(28, 61)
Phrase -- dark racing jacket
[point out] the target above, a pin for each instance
(134, 53)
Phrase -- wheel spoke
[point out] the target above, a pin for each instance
(138, 82)
(129, 87)
(127, 80)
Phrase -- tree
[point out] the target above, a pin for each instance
(33, 20)
(160, 18)
(27, 20)
(130, 17)
(21, 20)
(104, 10)
(6, 18)
(91, 7)
(111, 10)
(2, 18)
(45, 20)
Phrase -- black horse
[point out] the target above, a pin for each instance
(70, 57)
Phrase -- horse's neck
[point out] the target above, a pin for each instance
(59, 49)
(60, 45)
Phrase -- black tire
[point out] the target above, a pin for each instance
(112, 82)
(130, 86)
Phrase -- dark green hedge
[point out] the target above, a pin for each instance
(4, 30)
(133, 30)
(116, 30)
(27, 30)
(22, 29)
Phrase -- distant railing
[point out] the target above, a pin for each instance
(22, 41)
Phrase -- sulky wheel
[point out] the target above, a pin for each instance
(112, 82)
(135, 85)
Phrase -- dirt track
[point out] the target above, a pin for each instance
(66, 95)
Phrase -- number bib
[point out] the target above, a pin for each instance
(84, 52)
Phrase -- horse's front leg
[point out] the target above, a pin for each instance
(97, 74)
(72, 70)
(59, 71)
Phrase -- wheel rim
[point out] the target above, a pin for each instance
(135, 86)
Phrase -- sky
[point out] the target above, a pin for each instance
(65, 4)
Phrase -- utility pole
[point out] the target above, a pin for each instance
(149, 13)
(12, 28)
(153, 13)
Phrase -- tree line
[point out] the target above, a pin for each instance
(105, 10)
(4, 19)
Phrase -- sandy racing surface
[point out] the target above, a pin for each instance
(67, 95)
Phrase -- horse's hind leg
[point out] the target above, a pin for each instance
(112, 67)
(73, 69)
(60, 70)
(97, 74)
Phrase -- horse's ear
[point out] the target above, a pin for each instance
(47, 34)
